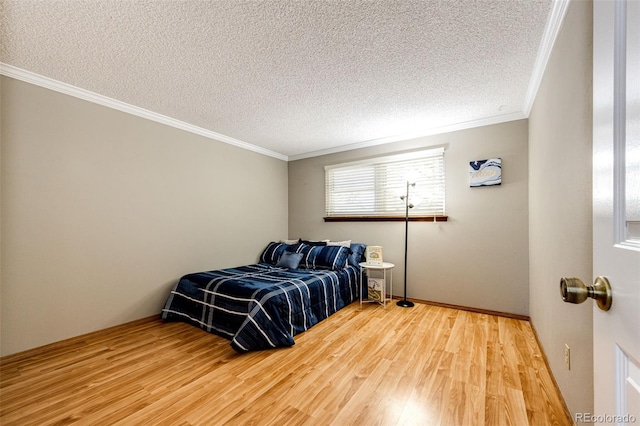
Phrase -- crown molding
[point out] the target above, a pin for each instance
(554, 23)
(67, 89)
(399, 138)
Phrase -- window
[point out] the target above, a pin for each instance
(371, 189)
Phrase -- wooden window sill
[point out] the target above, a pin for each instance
(437, 218)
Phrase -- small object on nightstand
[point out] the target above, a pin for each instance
(374, 255)
(376, 286)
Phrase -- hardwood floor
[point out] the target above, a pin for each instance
(425, 365)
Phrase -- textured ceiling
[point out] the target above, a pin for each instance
(292, 77)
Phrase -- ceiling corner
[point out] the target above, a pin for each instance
(552, 28)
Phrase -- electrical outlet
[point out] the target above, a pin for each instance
(567, 356)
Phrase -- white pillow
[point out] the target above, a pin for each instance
(289, 241)
(346, 243)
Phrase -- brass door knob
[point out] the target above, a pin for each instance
(573, 290)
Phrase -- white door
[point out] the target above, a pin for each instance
(616, 209)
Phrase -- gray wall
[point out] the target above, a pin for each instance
(479, 258)
(102, 211)
(560, 226)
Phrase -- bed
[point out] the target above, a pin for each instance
(263, 305)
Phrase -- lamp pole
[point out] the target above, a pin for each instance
(406, 303)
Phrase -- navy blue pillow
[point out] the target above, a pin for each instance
(272, 253)
(289, 260)
(357, 253)
(314, 243)
(295, 248)
(324, 257)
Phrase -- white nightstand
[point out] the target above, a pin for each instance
(386, 266)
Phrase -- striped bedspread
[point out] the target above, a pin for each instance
(260, 306)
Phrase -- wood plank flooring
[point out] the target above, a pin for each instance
(425, 365)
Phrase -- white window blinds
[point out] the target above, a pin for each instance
(373, 187)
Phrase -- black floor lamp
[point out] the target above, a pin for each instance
(404, 302)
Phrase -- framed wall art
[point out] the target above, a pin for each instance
(485, 172)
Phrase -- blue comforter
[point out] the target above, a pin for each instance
(260, 306)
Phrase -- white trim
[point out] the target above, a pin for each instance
(554, 23)
(619, 121)
(67, 89)
(414, 155)
(429, 132)
(622, 373)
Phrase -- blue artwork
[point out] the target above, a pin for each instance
(485, 172)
